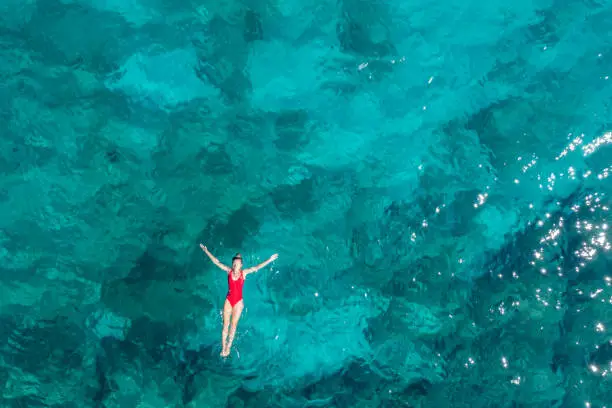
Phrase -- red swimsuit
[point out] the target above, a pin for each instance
(234, 293)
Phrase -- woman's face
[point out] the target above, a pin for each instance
(237, 264)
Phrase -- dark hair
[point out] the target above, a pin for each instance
(237, 256)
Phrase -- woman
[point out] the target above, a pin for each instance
(233, 302)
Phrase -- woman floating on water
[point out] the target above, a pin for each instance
(233, 302)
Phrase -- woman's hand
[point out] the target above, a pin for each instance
(273, 257)
(215, 260)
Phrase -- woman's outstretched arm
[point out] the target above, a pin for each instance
(215, 260)
(261, 265)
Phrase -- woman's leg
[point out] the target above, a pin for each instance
(227, 312)
(236, 312)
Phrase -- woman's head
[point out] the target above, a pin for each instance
(237, 261)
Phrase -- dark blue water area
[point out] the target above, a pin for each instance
(435, 177)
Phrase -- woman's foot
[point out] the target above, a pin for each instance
(225, 352)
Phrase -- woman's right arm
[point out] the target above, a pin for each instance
(215, 260)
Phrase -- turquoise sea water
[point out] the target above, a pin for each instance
(435, 177)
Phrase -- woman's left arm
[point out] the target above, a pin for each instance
(261, 265)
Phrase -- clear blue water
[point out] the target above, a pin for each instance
(435, 177)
